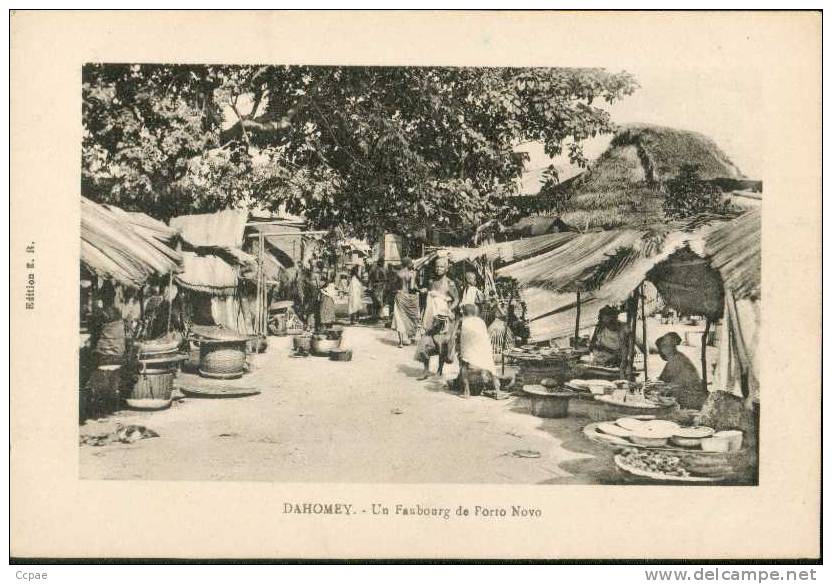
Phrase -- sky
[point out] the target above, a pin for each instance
(724, 104)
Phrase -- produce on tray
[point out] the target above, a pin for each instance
(658, 462)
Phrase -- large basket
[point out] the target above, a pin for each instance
(599, 411)
(324, 346)
(548, 404)
(302, 343)
(222, 359)
(533, 372)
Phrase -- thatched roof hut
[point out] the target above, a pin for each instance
(623, 187)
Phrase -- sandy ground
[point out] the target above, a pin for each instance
(368, 420)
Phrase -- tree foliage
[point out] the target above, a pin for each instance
(688, 196)
(365, 148)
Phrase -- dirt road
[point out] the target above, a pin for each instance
(368, 420)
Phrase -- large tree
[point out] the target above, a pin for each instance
(364, 148)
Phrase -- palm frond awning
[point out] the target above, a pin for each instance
(734, 249)
(114, 247)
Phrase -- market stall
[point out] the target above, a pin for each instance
(121, 254)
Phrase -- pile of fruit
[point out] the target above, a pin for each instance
(658, 462)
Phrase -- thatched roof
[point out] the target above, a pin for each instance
(734, 249)
(623, 187)
(124, 247)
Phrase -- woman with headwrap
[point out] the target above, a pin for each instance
(438, 321)
(443, 295)
(406, 303)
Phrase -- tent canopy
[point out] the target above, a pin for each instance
(214, 263)
(220, 229)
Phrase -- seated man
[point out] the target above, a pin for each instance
(680, 372)
(475, 353)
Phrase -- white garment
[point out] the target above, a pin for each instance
(738, 340)
(436, 305)
(356, 295)
(472, 295)
(475, 344)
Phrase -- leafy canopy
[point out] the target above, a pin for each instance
(364, 148)
(688, 196)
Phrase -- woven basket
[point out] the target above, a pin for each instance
(222, 360)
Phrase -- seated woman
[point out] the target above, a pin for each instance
(609, 341)
(475, 353)
(680, 372)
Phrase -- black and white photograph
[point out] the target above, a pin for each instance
(416, 285)
(449, 274)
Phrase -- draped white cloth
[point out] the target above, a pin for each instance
(356, 294)
(475, 344)
(738, 335)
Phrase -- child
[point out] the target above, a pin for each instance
(472, 294)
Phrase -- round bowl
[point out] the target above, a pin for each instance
(734, 438)
(686, 442)
(716, 444)
(643, 440)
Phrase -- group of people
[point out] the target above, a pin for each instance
(450, 325)
(609, 348)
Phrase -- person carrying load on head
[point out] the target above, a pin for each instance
(442, 296)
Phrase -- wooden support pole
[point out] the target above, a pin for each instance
(644, 331)
(170, 300)
(705, 353)
(258, 321)
(577, 319)
(632, 321)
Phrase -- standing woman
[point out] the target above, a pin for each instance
(356, 296)
(326, 306)
(406, 303)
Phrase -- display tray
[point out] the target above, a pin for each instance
(218, 392)
(592, 433)
(657, 476)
